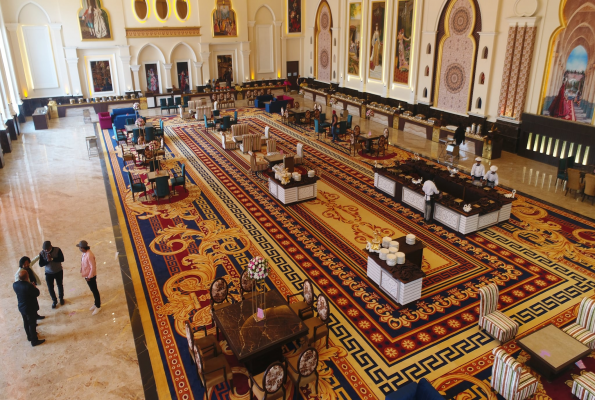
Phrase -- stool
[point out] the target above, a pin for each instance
(583, 387)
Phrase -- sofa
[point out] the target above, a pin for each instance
(105, 120)
(275, 106)
(260, 100)
(289, 99)
(422, 390)
(119, 116)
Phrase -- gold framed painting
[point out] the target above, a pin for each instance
(224, 22)
(293, 17)
(404, 42)
(94, 21)
(376, 51)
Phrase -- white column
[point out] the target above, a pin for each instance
(251, 70)
(277, 48)
(198, 73)
(135, 69)
(283, 52)
(206, 68)
(244, 72)
(73, 70)
(125, 60)
(168, 76)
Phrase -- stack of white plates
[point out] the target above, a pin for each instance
(386, 242)
(394, 244)
(410, 239)
(391, 260)
(311, 173)
(393, 250)
(297, 176)
(383, 253)
(400, 258)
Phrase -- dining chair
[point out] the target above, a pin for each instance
(272, 381)
(296, 105)
(299, 154)
(135, 135)
(256, 165)
(219, 295)
(209, 124)
(349, 121)
(303, 368)
(208, 345)
(211, 372)
(154, 165)
(226, 123)
(136, 186)
(318, 129)
(179, 180)
(342, 129)
(162, 188)
(381, 146)
(562, 174)
(272, 147)
(589, 189)
(149, 134)
(352, 144)
(304, 309)
(574, 181)
(306, 119)
(178, 101)
(235, 118)
(163, 105)
(170, 104)
(121, 138)
(385, 133)
(246, 285)
(318, 326)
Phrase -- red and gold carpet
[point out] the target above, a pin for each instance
(542, 260)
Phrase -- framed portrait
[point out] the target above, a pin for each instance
(224, 20)
(152, 77)
(182, 70)
(94, 21)
(225, 67)
(355, 38)
(101, 75)
(405, 15)
(293, 16)
(376, 52)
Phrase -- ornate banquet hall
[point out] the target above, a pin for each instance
(311, 199)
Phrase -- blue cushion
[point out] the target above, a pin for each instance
(426, 391)
(406, 392)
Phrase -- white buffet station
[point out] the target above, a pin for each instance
(403, 283)
(295, 191)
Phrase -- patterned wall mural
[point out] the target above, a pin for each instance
(456, 58)
(405, 17)
(355, 35)
(324, 43)
(376, 53)
(569, 91)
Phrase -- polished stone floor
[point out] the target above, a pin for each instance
(51, 190)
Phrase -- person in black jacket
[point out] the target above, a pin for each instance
(27, 297)
(459, 135)
(52, 258)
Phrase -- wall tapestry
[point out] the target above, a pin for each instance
(224, 68)
(323, 62)
(457, 55)
(183, 76)
(405, 15)
(224, 20)
(294, 16)
(101, 76)
(94, 21)
(355, 35)
(377, 39)
(569, 92)
(152, 75)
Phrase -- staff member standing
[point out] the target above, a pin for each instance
(491, 177)
(89, 272)
(52, 258)
(430, 190)
(478, 170)
(27, 295)
(459, 135)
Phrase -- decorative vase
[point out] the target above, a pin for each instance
(259, 300)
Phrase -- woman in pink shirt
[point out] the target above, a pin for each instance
(89, 272)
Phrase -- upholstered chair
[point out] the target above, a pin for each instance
(136, 186)
(227, 143)
(256, 142)
(257, 165)
(385, 133)
(213, 371)
(381, 146)
(509, 378)
(179, 180)
(207, 344)
(272, 147)
(266, 136)
(583, 386)
(495, 323)
(574, 181)
(302, 368)
(299, 154)
(246, 144)
(583, 329)
(272, 381)
(219, 296)
(318, 326)
(304, 309)
(246, 285)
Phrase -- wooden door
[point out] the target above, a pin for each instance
(293, 68)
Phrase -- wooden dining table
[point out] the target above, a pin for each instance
(257, 344)
(298, 113)
(369, 139)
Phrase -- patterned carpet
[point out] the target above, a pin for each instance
(542, 261)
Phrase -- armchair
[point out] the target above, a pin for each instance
(495, 323)
(583, 329)
(256, 165)
(267, 136)
(179, 180)
(246, 144)
(509, 378)
(228, 144)
(272, 147)
(105, 120)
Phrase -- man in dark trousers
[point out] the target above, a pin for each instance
(27, 297)
(52, 258)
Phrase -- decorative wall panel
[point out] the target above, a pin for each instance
(42, 68)
(324, 43)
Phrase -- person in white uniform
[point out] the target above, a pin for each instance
(491, 177)
(430, 190)
(478, 170)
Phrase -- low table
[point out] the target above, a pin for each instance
(552, 350)
(294, 192)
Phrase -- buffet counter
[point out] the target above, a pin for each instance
(294, 191)
(488, 206)
(313, 94)
(488, 147)
(353, 106)
(402, 282)
(416, 126)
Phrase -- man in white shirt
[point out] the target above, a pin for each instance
(491, 177)
(430, 190)
(478, 171)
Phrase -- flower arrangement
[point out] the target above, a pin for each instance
(332, 101)
(301, 92)
(136, 106)
(140, 122)
(370, 113)
(258, 268)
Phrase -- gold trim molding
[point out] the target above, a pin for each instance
(162, 32)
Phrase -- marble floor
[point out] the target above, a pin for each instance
(51, 190)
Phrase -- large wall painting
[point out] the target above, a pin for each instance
(294, 16)
(225, 67)
(405, 15)
(377, 39)
(101, 77)
(183, 76)
(569, 91)
(94, 21)
(224, 20)
(323, 62)
(355, 36)
(152, 77)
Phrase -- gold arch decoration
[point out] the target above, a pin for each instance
(224, 21)
(94, 21)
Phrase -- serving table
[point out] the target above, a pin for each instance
(312, 94)
(488, 146)
(259, 343)
(294, 192)
(403, 283)
(41, 118)
(489, 206)
(352, 106)
(552, 350)
(418, 127)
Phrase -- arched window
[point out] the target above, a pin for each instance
(429, 49)
(484, 53)
(425, 93)
(478, 103)
(427, 72)
(482, 78)
(141, 8)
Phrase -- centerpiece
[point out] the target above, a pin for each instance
(258, 271)
(369, 113)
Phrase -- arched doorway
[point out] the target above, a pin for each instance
(323, 46)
